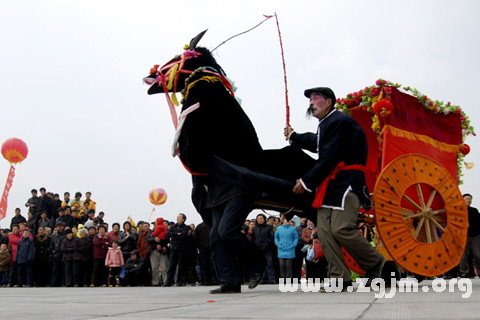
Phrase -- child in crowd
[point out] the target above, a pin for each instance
(114, 262)
(4, 263)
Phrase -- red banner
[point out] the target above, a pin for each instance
(6, 190)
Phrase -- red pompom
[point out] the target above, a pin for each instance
(465, 149)
(154, 69)
(383, 105)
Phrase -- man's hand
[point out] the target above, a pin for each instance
(287, 131)
(298, 189)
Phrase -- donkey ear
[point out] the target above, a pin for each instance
(196, 40)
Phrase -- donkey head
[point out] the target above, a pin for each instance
(172, 75)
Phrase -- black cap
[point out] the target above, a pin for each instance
(324, 91)
(68, 231)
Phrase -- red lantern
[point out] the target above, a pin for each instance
(157, 196)
(465, 149)
(14, 150)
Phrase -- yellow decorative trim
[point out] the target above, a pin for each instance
(171, 76)
(375, 123)
(175, 100)
(205, 78)
(453, 148)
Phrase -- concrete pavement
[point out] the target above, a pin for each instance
(264, 302)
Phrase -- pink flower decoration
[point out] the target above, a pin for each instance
(191, 54)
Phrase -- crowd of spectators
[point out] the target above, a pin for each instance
(67, 243)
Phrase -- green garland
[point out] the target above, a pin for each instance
(366, 97)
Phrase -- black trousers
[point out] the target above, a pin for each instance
(25, 274)
(114, 276)
(88, 271)
(99, 275)
(205, 263)
(228, 243)
(68, 267)
(133, 277)
(79, 273)
(297, 263)
(41, 272)
(177, 259)
(316, 270)
(58, 275)
(13, 274)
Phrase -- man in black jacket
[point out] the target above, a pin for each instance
(472, 248)
(134, 269)
(179, 237)
(32, 202)
(44, 204)
(340, 183)
(58, 275)
(263, 238)
(17, 218)
(205, 263)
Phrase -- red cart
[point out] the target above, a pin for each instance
(416, 151)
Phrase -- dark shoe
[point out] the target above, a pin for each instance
(254, 280)
(168, 285)
(374, 272)
(226, 289)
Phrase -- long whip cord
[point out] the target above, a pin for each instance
(287, 105)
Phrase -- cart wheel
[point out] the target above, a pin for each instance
(420, 215)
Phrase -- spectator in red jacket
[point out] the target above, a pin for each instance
(101, 242)
(114, 235)
(13, 240)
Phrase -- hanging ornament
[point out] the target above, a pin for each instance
(469, 165)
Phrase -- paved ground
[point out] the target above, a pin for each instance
(264, 302)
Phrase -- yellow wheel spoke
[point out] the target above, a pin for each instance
(438, 211)
(430, 200)
(434, 232)
(428, 231)
(438, 225)
(420, 195)
(419, 227)
(405, 210)
(413, 215)
(413, 202)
